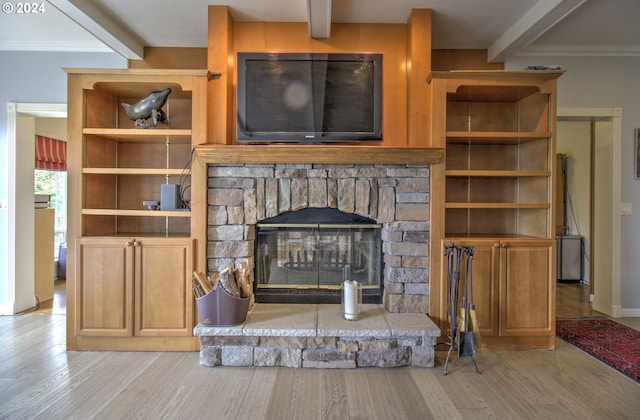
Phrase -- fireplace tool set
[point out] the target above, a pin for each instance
(461, 316)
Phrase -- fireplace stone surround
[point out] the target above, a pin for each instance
(398, 197)
(395, 196)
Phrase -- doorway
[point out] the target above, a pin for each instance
(590, 139)
(51, 294)
(21, 122)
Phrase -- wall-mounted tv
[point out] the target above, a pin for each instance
(308, 98)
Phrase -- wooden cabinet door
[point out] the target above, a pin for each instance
(527, 293)
(485, 269)
(104, 289)
(163, 295)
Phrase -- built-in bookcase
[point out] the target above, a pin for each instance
(124, 166)
(498, 161)
(130, 283)
(497, 128)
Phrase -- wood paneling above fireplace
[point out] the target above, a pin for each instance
(406, 50)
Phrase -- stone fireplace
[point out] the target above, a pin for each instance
(251, 185)
(394, 196)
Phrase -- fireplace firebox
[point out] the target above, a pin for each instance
(304, 256)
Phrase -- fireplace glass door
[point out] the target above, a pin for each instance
(294, 258)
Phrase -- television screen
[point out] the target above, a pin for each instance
(309, 98)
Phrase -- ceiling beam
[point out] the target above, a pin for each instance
(544, 15)
(103, 27)
(319, 15)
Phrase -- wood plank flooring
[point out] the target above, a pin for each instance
(57, 305)
(572, 301)
(40, 379)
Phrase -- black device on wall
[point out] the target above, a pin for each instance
(308, 98)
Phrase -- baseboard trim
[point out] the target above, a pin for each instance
(626, 313)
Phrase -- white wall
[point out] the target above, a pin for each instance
(34, 77)
(56, 128)
(22, 231)
(608, 82)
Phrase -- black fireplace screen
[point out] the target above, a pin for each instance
(294, 258)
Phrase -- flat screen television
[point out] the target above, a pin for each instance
(308, 98)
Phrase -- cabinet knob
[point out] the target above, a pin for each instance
(129, 243)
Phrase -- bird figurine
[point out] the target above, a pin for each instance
(148, 107)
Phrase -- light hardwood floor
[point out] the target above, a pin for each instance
(40, 379)
(57, 305)
(572, 301)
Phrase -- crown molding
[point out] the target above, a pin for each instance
(55, 46)
(580, 51)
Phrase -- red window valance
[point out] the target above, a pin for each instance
(51, 154)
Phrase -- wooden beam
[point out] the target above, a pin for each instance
(541, 17)
(100, 25)
(319, 16)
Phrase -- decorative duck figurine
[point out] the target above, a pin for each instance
(148, 107)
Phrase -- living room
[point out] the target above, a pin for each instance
(573, 96)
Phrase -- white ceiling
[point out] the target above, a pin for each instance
(504, 27)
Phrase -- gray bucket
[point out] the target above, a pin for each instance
(219, 308)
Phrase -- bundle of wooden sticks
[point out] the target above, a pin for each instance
(234, 280)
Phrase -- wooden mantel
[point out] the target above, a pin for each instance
(325, 154)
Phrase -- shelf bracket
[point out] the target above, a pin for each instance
(211, 75)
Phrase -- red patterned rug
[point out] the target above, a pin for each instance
(613, 344)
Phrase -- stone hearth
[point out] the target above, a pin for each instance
(396, 196)
(316, 336)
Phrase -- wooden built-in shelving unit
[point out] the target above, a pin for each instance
(494, 193)
(130, 263)
(488, 136)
